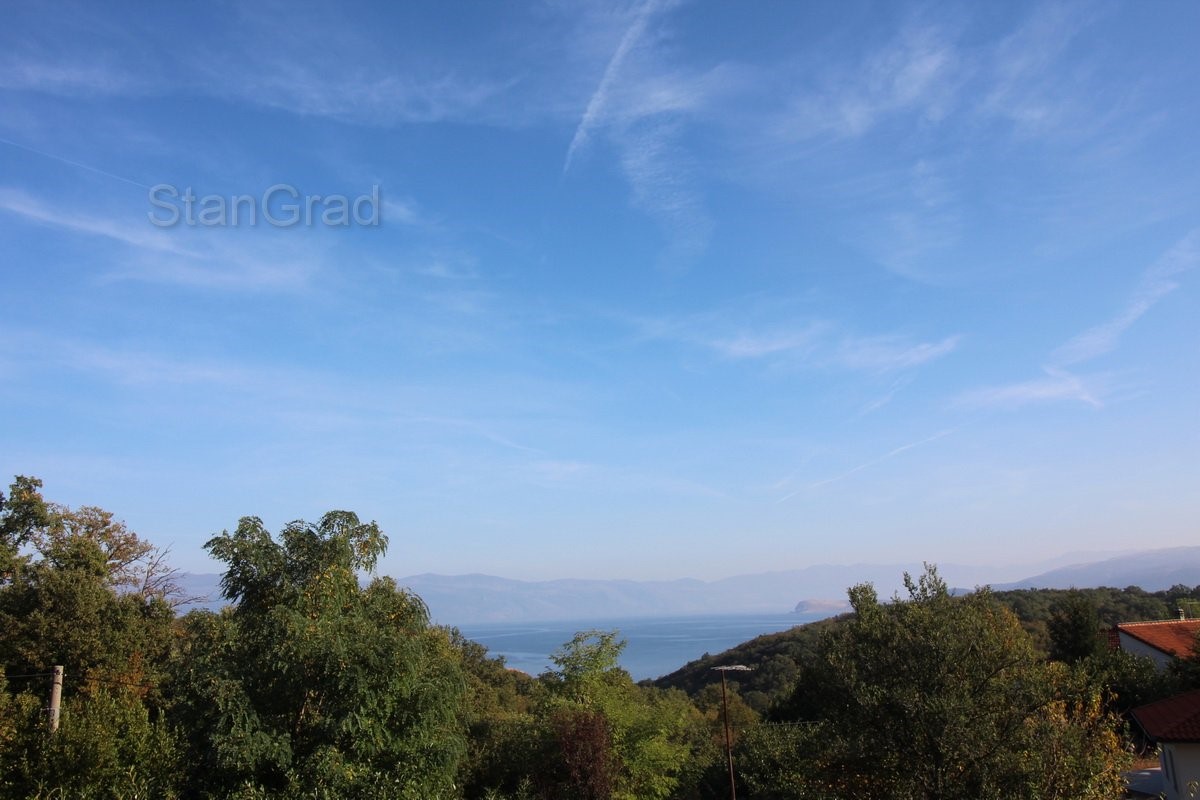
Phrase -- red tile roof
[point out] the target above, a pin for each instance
(1176, 719)
(1175, 637)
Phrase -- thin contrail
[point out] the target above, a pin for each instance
(44, 154)
(867, 464)
(595, 106)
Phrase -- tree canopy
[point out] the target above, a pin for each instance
(313, 685)
(935, 696)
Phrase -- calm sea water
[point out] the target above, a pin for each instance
(656, 646)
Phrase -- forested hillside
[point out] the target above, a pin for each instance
(776, 657)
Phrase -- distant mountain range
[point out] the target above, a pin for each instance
(472, 599)
(1152, 570)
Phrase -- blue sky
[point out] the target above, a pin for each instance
(658, 290)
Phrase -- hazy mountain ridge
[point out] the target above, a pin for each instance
(1152, 570)
(476, 598)
(465, 599)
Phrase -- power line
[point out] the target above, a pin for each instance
(90, 678)
(115, 682)
(27, 675)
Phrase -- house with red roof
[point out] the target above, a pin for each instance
(1174, 724)
(1161, 640)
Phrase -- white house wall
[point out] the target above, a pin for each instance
(1180, 767)
(1138, 648)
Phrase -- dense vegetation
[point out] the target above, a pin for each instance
(312, 684)
(1063, 624)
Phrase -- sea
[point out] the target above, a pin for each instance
(655, 646)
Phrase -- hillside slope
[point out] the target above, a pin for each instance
(1152, 570)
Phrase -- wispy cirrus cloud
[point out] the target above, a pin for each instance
(929, 71)
(1156, 282)
(907, 216)
(891, 353)
(734, 335)
(932, 82)
(1055, 386)
(1061, 384)
(298, 60)
(922, 223)
(189, 384)
(374, 98)
(407, 211)
(447, 270)
(726, 334)
(31, 209)
(641, 107)
(919, 70)
(663, 188)
(141, 368)
(762, 344)
(214, 259)
(1025, 85)
(76, 76)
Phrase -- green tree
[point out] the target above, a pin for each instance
(777, 762)
(312, 686)
(505, 740)
(653, 737)
(62, 609)
(107, 747)
(29, 523)
(1183, 674)
(1129, 680)
(70, 596)
(23, 513)
(1074, 629)
(712, 705)
(945, 697)
(63, 601)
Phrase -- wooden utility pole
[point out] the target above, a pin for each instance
(728, 740)
(728, 737)
(55, 697)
